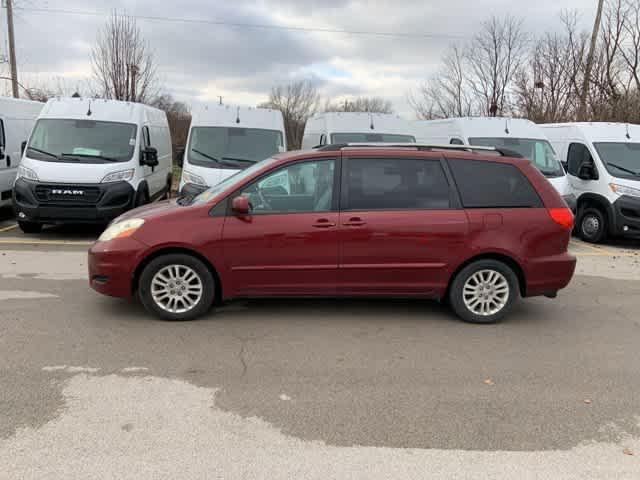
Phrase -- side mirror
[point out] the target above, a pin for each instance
(586, 172)
(150, 157)
(180, 156)
(2, 152)
(23, 147)
(240, 206)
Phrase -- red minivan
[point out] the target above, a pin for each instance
(478, 227)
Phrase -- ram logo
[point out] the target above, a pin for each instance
(58, 191)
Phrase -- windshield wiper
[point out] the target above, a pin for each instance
(210, 157)
(44, 152)
(623, 169)
(84, 155)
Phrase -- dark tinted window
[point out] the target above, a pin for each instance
(578, 154)
(389, 183)
(456, 141)
(485, 184)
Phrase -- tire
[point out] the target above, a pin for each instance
(30, 227)
(174, 310)
(142, 197)
(593, 226)
(495, 273)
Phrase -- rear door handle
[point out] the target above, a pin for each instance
(324, 223)
(354, 222)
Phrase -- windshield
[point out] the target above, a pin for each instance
(237, 177)
(223, 147)
(621, 159)
(337, 138)
(538, 151)
(85, 141)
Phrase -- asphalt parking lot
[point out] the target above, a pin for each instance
(92, 387)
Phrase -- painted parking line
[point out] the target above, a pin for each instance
(10, 227)
(16, 241)
(593, 247)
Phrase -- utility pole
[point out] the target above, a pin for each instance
(582, 113)
(134, 73)
(12, 50)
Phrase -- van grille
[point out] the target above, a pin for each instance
(67, 193)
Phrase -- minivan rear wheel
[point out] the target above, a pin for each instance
(593, 225)
(176, 287)
(484, 291)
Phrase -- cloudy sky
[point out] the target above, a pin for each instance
(199, 61)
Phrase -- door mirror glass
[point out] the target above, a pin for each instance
(586, 172)
(150, 157)
(23, 147)
(240, 205)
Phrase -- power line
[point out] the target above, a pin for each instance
(262, 26)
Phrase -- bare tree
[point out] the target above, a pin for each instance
(360, 104)
(297, 101)
(122, 61)
(446, 94)
(496, 53)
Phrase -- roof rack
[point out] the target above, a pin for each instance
(422, 147)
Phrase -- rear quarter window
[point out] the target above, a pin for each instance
(484, 184)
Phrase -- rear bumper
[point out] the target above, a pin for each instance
(547, 275)
(35, 202)
(626, 212)
(112, 266)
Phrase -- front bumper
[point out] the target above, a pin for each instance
(627, 216)
(41, 202)
(191, 189)
(112, 266)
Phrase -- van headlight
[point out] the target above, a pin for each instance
(121, 229)
(24, 172)
(189, 177)
(120, 176)
(624, 190)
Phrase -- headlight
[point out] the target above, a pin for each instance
(24, 172)
(121, 229)
(189, 177)
(123, 175)
(624, 190)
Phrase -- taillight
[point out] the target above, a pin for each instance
(562, 216)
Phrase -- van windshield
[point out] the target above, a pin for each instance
(358, 137)
(536, 150)
(231, 147)
(621, 159)
(82, 141)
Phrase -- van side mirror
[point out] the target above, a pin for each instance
(587, 171)
(180, 156)
(23, 147)
(240, 205)
(150, 157)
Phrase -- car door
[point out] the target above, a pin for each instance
(577, 154)
(400, 225)
(287, 244)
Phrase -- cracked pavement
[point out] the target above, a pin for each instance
(92, 387)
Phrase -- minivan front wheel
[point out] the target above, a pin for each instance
(484, 291)
(176, 287)
(593, 225)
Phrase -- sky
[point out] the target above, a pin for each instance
(197, 62)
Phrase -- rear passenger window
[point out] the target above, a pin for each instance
(393, 184)
(484, 184)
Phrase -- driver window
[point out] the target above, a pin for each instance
(297, 188)
(578, 154)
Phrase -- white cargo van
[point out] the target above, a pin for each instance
(89, 160)
(16, 121)
(518, 135)
(225, 139)
(603, 161)
(355, 127)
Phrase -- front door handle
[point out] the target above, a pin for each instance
(324, 223)
(354, 222)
